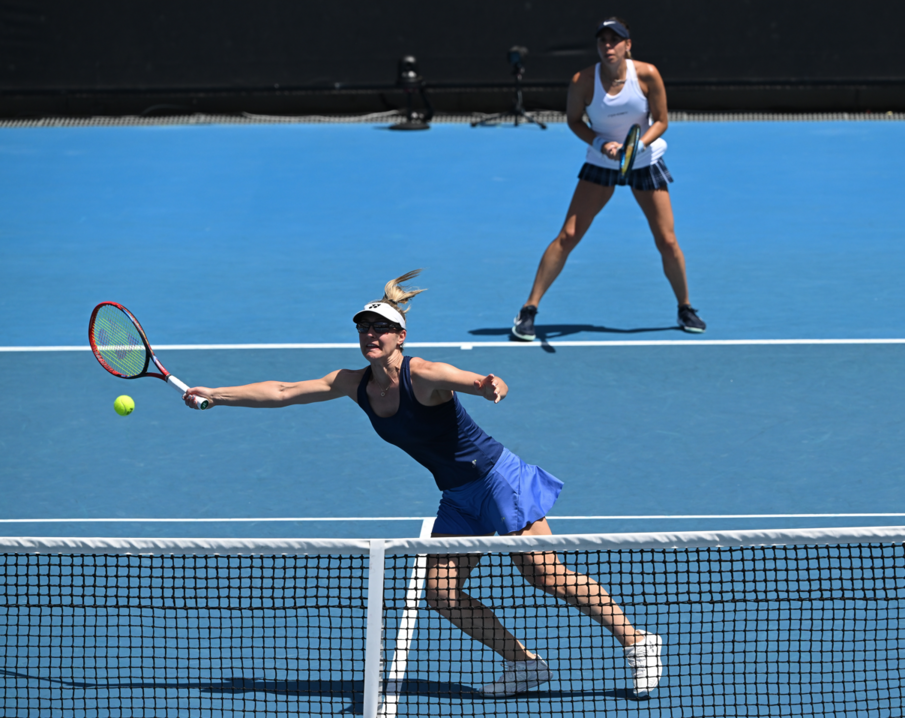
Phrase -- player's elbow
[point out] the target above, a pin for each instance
(282, 394)
(575, 124)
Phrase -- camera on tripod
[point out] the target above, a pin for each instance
(516, 57)
(409, 79)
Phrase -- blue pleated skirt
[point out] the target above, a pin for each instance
(513, 495)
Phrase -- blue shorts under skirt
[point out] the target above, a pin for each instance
(655, 176)
(509, 498)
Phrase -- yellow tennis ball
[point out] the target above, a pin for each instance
(124, 405)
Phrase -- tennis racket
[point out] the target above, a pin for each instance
(120, 345)
(629, 150)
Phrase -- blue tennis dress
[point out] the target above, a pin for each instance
(486, 488)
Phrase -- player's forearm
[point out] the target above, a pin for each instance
(490, 386)
(445, 377)
(655, 131)
(468, 384)
(265, 394)
(582, 131)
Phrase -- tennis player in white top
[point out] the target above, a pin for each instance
(615, 94)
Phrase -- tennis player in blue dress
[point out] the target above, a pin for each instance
(615, 94)
(413, 404)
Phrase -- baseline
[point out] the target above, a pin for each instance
(430, 518)
(472, 345)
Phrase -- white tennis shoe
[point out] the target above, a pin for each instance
(518, 677)
(644, 660)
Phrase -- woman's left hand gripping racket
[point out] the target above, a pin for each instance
(120, 345)
(629, 150)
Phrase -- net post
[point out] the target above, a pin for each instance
(374, 630)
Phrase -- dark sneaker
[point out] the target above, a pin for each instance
(524, 324)
(690, 321)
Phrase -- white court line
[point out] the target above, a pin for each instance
(201, 521)
(724, 516)
(656, 517)
(406, 628)
(480, 345)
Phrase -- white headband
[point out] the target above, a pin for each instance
(385, 310)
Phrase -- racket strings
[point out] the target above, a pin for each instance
(118, 342)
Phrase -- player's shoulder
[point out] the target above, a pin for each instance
(584, 77)
(346, 381)
(646, 71)
(429, 370)
(348, 377)
(420, 366)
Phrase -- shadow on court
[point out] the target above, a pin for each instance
(350, 692)
(546, 332)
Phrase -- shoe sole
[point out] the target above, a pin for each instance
(523, 337)
(528, 685)
(692, 330)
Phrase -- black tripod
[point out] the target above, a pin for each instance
(411, 82)
(517, 113)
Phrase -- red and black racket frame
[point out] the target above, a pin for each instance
(149, 354)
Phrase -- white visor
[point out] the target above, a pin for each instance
(383, 309)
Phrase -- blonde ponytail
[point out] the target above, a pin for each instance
(396, 294)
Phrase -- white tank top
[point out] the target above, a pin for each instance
(612, 116)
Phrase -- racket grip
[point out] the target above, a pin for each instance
(183, 388)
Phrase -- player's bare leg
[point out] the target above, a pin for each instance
(545, 572)
(657, 208)
(446, 576)
(587, 201)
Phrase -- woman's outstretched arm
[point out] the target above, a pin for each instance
(437, 378)
(276, 394)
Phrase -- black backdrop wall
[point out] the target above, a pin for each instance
(123, 56)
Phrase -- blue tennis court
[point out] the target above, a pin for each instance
(224, 238)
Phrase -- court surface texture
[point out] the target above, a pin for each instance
(786, 413)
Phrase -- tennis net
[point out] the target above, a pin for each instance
(753, 623)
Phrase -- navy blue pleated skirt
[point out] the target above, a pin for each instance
(655, 176)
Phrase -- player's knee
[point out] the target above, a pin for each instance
(441, 599)
(567, 240)
(550, 579)
(666, 242)
(551, 584)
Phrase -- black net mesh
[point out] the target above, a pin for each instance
(547, 116)
(759, 631)
(181, 635)
(767, 631)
